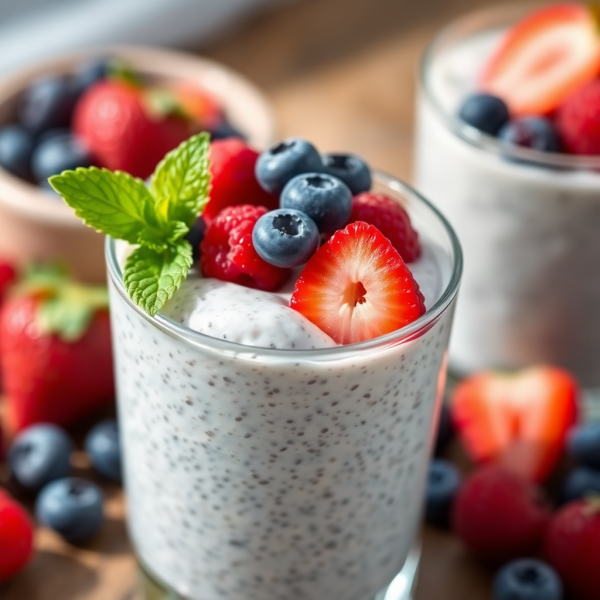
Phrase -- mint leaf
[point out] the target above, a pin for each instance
(151, 278)
(116, 204)
(181, 181)
(171, 232)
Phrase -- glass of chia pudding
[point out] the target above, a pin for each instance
(264, 461)
(528, 218)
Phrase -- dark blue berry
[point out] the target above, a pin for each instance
(224, 130)
(72, 507)
(445, 431)
(280, 163)
(104, 449)
(57, 153)
(195, 236)
(16, 147)
(579, 483)
(87, 74)
(484, 112)
(285, 237)
(324, 198)
(46, 104)
(527, 579)
(443, 482)
(40, 454)
(583, 444)
(352, 170)
(531, 132)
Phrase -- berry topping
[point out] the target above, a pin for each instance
(16, 537)
(356, 287)
(519, 420)
(527, 579)
(584, 444)
(578, 121)
(232, 166)
(324, 198)
(280, 163)
(580, 483)
(16, 146)
(104, 449)
(545, 58)
(531, 132)
(72, 507)
(391, 219)
(228, 253)
(58, 153)
(572, 547)
(88, 73)
(352, 170)
(8, 276)
(443, 482)
(484, 112)
(285, 237)
(198, 104)
(499, 515)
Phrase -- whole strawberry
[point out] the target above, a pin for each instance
(572, 547)
(55, 351)
(499, 515)
(16, 537)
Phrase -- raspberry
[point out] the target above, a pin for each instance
(16, 537)
(578, 121)
(391, 219)
(228, 253)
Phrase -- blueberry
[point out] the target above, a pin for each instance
(224, 130)
(445, 431)
(72, 507)
(57, 153)
(531, 132)
(104, 449)
(87, 74)
(285, 237)
(40, 454)
(275, 167)
(46, 104)
(195, 236)
(583, 444)
(484, 112)
(443, 481)
(16, 147)
(527, 579)
(579, 483)
(352, 170)
(324, 198)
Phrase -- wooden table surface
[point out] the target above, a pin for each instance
(341, 73)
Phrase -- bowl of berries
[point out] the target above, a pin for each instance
(120, 108)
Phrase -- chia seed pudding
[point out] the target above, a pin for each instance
(263, 461)
(529, 222)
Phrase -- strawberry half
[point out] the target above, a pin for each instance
(356, 287)
(519, 421)
(545, 58)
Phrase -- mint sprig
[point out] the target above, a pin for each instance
(155, 218)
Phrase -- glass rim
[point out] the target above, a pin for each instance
(473, 136)
(195, 338)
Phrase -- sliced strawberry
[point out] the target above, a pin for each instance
(545, 58)
(356, 287)
(519, 421)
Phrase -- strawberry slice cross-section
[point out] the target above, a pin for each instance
(356, 287)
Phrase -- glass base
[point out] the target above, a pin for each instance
(401, 588)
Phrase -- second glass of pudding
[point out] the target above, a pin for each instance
(274, 474)
(528, 221)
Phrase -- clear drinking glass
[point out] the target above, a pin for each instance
(528, 221)
(278, 474)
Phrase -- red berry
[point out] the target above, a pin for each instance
(391, 219)
(578, 121)
(572, 547)
(8, 275)
(356, 287)
(112, 119)
(16, 537)
(499, 515)
(233, 180)
(228, 253)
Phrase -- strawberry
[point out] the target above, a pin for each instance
(55, 351)
(8, 275)
(115, 121)
(572, 547)
(233, 179)
(356, 287)
(545, 58)
(198, 104)
(578, 121)
(16, 537)
(519, 420)
(500, 515)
